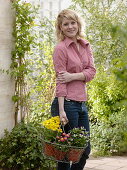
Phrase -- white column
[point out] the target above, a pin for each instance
(7, 120)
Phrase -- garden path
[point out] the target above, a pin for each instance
(107, 163)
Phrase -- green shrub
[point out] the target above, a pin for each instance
(107, 114)
(22, 148)
(105, 93)
(109, 138)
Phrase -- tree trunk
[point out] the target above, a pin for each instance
(7, 86)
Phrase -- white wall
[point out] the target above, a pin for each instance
(6, 83)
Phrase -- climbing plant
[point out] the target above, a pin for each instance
(23, 40)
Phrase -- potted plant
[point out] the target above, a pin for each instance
(79, 140)
(63, 146)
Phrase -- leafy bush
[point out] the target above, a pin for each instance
(109, 138)
(105, 92)
(22, 148)
(108, 130)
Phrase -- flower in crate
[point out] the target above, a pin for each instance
(51, 128)
(63, 146)
(79, 137)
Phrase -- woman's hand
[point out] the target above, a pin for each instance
(64, 77)
(63, 118)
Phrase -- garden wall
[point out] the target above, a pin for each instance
(6, 83)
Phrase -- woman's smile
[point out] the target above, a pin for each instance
(69, 28)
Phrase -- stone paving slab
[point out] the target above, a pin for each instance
(107, 163)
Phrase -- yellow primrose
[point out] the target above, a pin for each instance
(53, 124)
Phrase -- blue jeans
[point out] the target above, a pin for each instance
(78, 117)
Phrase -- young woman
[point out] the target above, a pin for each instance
(74, 67)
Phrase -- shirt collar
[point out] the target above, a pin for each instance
(69, 41)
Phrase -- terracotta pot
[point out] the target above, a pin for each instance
(48, 149)
(59, 155)
(74, 155)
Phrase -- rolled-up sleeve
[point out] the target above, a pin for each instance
(89, 71)
(59, 61)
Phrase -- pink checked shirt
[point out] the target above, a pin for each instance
(66, 57)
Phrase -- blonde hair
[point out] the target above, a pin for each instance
(69, 14)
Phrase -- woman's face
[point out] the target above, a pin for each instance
(69, 28)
